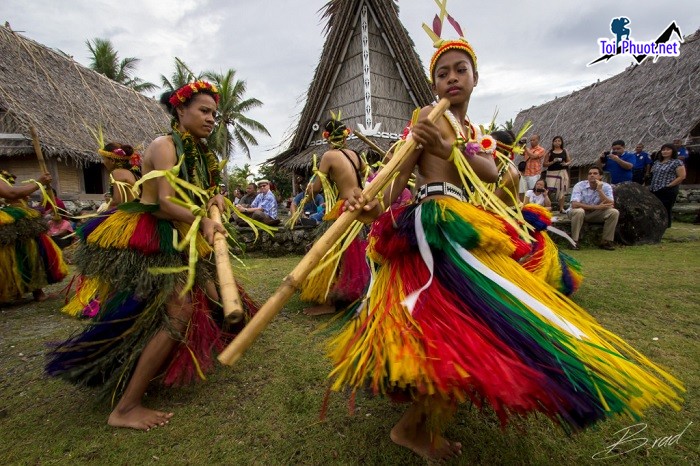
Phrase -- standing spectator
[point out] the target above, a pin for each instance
(617, 162)
(557, 165)
(539, 195)
(592, 201)
(251, 191)
(534, 156)
(264, 206)
(681, 151)
(666, 174)
(642, 164)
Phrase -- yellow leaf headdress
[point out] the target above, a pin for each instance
(443, 45)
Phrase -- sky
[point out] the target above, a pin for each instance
(528, 52)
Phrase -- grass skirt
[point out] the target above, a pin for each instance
(343, 273)
(115, 257)
(29, 259)
(450, 316)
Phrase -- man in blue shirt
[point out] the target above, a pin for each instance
(592, 201)
(682, 151)
(617, 162)
(264, 207)
(642, 164)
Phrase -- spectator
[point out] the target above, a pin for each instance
(264, 206)
(251, 191)
(592, 202)
(557, 165)
(534, 156)
(667, 173)
(642, 164)
(681, 151)
(617, 162)
(539, 195)
(237, 195)
(309, 207)
(59, 228)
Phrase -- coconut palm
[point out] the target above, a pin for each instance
(235, 129)
(105, 60)
(182, 75)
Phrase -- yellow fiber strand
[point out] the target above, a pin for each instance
(115, 233)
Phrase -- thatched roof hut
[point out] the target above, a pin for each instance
(369, 71)
(652, 103)
(63, 100)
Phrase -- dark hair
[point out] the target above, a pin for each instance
(600, 172)
(544, 181)
(504, 136)
(165, 100)
(558, 137)
(334, 127)
(121, 163)
(674, 155)
(618, 142)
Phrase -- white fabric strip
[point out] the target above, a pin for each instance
(516, 291)
(426, 254)
(561, 233)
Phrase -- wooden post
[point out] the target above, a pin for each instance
(230, 298)
(42, 167)
(291, 283)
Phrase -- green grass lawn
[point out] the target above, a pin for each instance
(265, 409)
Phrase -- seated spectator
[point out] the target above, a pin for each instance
(264, 206)
(617, 162)
(237, 196)
(59, 228)
(251, 191)
(310, 206)
(320, 212)
(539, 195)
(592, 201)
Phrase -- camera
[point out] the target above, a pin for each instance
(604, 157)
(540, 190)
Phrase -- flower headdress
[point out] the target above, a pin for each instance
(443, 45)
(122, 159)
(338, 132)
(186, 92)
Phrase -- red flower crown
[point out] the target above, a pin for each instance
(186, 92)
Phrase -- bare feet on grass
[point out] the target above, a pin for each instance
(320, 310)
(412, 432)
(138, 417)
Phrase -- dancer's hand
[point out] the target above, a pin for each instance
(428, 136)
(45, 179)
(209, 228)
(219, 201)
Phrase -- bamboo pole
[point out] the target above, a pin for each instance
(230, 298)
(42, 167)
(371, 144)
(291, 282)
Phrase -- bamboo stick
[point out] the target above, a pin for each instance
(42, 167)
(291, 282)
(371, 144)
(230, 298)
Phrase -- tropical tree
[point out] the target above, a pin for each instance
(105, 60)
(279, 177)
(239, 176)
(235, 129)
(508, 125)
(182, 75)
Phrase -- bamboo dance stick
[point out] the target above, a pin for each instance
(230, 298)
(291, 283)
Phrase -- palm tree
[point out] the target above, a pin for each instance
(508, 125)
(235, 129)
(105, 60)
(182, 75)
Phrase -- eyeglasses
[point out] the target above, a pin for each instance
(262, 184)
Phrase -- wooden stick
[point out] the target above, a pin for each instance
(290, 284)
(230, 298)
(371, 144)
(42, 167)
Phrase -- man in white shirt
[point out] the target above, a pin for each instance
(592, 201)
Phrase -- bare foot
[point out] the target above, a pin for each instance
(138, 417)
(39, 295)
(321, 309)
(431, 447)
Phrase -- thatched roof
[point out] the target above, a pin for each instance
(652, 104)
(397, 80)
(61, 99)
